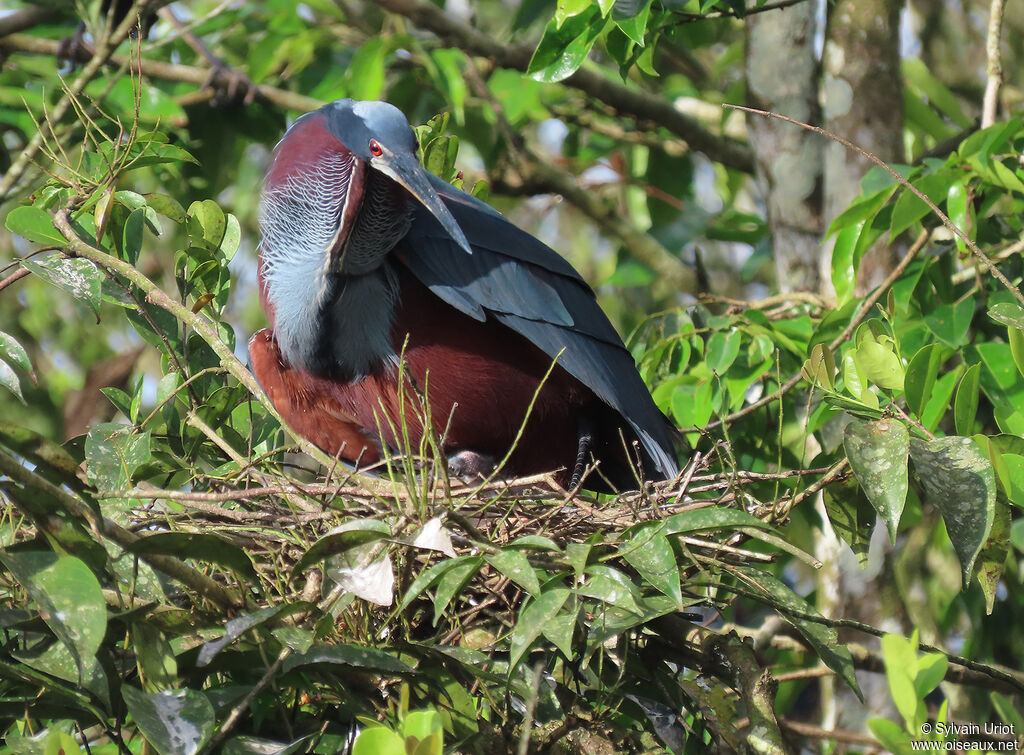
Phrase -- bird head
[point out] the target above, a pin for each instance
(316, 185)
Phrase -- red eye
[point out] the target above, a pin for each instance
(375, 148)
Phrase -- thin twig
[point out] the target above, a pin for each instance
(105, 48)
(156, 69)
(77, 508)
(943, 217)
(626, 100)
(865, 307)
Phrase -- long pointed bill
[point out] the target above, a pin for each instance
(407, 171)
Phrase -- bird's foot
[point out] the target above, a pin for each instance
(583, 451)
(470, 464)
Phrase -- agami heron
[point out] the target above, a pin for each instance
(367, 258)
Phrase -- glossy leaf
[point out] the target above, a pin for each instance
(514, 565)
(878, 456)
(531, 622)
(9, 380)
(378, 740)
(563, 49)
(879, 364)
(920, 377)
(965, 405)
(175, 723)
(648, 550)
(959, 481)
(14, 353)
(349, 535)
(1008, 313)
(69, 599)
(113, 452)
(352, 656)
(200, 546)
(949, 322)
(78, 277)
(35, 225)
(824, 640)
(820, 367)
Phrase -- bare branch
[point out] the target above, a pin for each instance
(170, 72)
(624, 99)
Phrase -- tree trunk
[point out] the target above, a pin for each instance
(782, 76)
(862, 98)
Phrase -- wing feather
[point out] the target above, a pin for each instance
(529, 287)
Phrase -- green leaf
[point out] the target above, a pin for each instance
(931, 670)
(959, 211)
(432, 574)
(451, 581)
(199, 546)
(879, 364)
(648, 550)
(112, 454)
(909, 208)
(992, 559)
(1016, 339)
(352, 656)
(631, 17)
(10, 381)
(14, 352)
(824, 640)
(563, 48)
(439, 156)
(167, 206)
(938, 94)
(900, 658)
(378, 740)
(949, 322)
(878, 457)
(722, 350)
(965, 405)
(69, 599)
(514, 565)
(711, 518)
(820, 367)
(611, 586)
(560, 631)
(35, 225)
(852, 516)
(350, 535)
(1007, 313)
(175, 723)
(959, 481)
(920, 377)
(568, 8)
(365, 74)
(890, 734)
(855, 382)
(532, 620)
(154, 657)
(206, 224)
(79, 277)
(51, 460)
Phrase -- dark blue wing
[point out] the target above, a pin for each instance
(529, 287)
